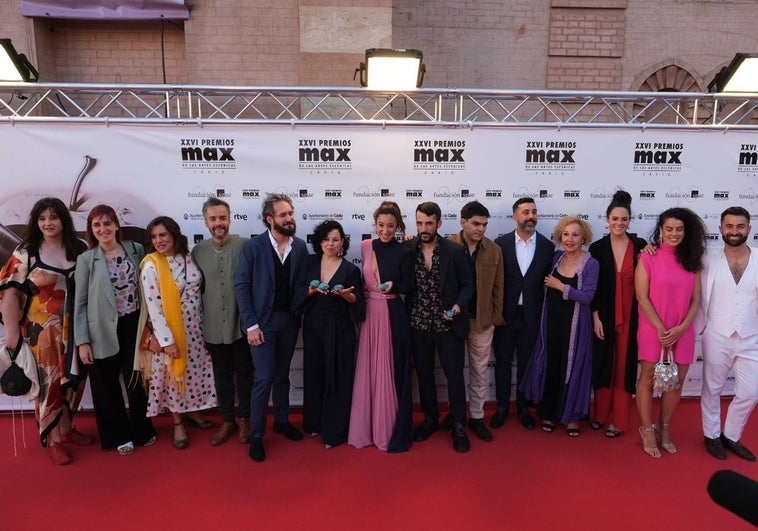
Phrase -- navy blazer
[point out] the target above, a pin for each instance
(456, 281)
(532, 284)
(254, 283)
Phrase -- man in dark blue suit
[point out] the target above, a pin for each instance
(269, 286)
(527, 257)
(443, 284)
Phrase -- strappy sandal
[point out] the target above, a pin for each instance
(612, 433)
(662, 431)
(648, 437)
(126, 448)
(572, 431)
(548, 426)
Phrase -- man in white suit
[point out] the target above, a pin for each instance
(729, 322)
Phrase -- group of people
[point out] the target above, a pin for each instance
(187, 331)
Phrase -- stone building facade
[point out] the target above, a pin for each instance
(615, 45)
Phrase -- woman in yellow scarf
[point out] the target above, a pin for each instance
(179, 378)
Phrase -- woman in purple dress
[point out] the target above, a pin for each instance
(667, 285)
(330, 312)
(382, 408)
(559, 374)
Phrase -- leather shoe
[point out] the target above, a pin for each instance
(288, 430)
(447, 423)
(498, 419)
(257, 453)
(737, 448)
(244, 433)
(460, 439)
(222, 435)
(478, 427)
(526, 419)
(715, 448)
(425, 429)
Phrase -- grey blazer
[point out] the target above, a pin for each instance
(95, 315)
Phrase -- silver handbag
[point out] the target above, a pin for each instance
(666, 373)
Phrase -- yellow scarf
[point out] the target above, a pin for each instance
(172, 311)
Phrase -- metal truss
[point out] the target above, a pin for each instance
(323, 105)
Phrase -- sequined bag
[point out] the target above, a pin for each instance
(665, 374)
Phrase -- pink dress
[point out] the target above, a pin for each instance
(374, 408)
(671, 288)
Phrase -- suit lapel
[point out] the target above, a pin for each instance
(100, 270)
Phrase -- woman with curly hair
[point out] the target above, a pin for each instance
(667, 286)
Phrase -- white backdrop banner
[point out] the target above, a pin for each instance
(343, 172)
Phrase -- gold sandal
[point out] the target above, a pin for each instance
(648, 437)
(662, 430)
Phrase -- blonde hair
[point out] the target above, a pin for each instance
(565, 221)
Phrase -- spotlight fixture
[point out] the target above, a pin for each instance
(392, 69)
(741, 75)
(15, 66)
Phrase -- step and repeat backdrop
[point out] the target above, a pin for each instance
(344, 172)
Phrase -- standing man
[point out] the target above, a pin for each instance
(217, 258)
(442, 288)
(269, 287)
(484, 310)
(729, 309)
(527, 256)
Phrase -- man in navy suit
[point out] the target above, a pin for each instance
(443, 284)
(269, 286)
(527, 256)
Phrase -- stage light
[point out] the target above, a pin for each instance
(388, 69)
(740, 76)
(15, 66)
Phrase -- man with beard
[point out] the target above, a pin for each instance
(269, 285)
(527, 256)
(728, 320)
(217, 258)
(442, 287)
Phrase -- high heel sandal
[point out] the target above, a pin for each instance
(180, 444)
(648, 436)
(662, 431)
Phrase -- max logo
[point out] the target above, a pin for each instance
(209, 153)
(657, 157)
(564, 156)
(438, 155)
(324, 155)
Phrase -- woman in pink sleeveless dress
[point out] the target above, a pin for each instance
(667, 285)
(381, 411)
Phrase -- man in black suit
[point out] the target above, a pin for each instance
(442, 286)
(527, 257)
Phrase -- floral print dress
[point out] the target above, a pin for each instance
(198, 376)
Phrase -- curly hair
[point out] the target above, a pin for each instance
(322, 230)
(565, 221)
(180, 240)
(689, 253)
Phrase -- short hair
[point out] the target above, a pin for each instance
(268, 206)
(621, 199)
(430, 208)
(97, 212)
(689, 253)
(565, 221)
(33, 236)
(214, 202)
(735, 211)
(390, 208)
(322, 230)
(520, 201)
(180, 240)
(474, 208)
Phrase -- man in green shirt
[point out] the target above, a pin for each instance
(227, 345)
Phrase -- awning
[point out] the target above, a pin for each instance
(106, 9)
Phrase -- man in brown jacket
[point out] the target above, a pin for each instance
(485, 310)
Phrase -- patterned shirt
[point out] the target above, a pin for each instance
(426, 313)
(123, 276)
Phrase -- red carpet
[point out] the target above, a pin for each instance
(522, 480)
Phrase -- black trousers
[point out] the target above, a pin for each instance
(451, 351)
(113, 424)
(232, 363)
(515, 338)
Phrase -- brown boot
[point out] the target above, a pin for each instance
(226, 430)
(244, 433)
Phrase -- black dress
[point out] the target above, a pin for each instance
(329, 341)
(560, 313)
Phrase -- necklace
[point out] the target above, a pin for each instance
(221, 249)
